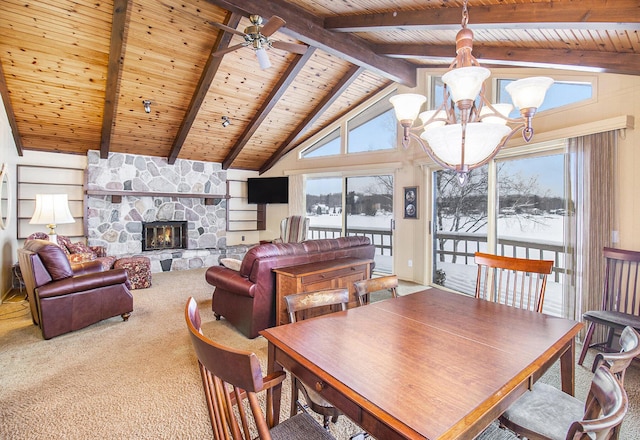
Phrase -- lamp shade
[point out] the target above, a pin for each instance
(480, 141)
(51, 209)
(529, 92)
(503, 109)
(263, 58)
(426, 116)
(407, 105)
(465, 82)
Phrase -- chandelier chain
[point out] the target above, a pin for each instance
(465, 14)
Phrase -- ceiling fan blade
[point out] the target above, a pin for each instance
(272, 25)
(228, 49)
(226, 28)
(290, 47)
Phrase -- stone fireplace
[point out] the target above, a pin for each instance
(126, 191)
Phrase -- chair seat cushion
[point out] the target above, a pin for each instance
(300, 426)
(545, 410)
(618, 319)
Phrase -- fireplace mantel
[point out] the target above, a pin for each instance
(116, 196)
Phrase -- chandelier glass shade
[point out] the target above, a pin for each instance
(466, 131)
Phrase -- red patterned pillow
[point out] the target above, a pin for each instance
(64, 242)
(80, 248)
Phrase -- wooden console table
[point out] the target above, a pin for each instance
(331, 274)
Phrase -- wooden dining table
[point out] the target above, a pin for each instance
(432, 364)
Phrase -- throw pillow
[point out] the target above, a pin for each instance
(64, 242)
(81, 248)
(231, 263)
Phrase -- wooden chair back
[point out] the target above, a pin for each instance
(365, 287)
(620, 305)
(605, 408)
(516, 282)
(621, 281)
(298, 306)
(230, 376)
(618, 362)
(330, 300)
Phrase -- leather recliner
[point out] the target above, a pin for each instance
(65, 297)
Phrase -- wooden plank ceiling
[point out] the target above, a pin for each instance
(74, 73)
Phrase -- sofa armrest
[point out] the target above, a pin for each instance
(230, 280)
(81, 283)
(85, 267)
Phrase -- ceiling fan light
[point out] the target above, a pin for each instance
(529, 92)
(407, 105)
(480, 141)
(465, 82)
(263, 58)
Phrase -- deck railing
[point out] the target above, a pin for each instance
(380, 237)
(450, 246)
(454, 245)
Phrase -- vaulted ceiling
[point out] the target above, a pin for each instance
(74, 73)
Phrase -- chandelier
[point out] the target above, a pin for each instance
(466, 131)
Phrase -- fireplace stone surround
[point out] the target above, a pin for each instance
(159, 192)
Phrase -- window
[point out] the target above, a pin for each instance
(327, 146)
(560, 93)
(373, 129)
(529, 217)
(366, 209)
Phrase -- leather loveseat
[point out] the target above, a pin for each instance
(65, 297)
(246, 298)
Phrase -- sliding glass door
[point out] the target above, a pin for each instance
(361, 205)
(525, 219)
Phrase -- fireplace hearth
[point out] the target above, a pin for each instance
(164, 235)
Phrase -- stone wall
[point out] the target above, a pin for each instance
(118, 226)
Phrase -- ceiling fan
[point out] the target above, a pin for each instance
(257, 36)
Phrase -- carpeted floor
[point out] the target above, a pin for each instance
(139, 379)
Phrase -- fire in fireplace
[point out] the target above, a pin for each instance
(164, 235)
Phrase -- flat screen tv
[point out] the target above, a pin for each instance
(268, 190)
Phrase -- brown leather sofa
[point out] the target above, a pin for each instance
(246, 298)
(65, 297)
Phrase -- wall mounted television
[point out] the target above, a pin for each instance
(268, 189)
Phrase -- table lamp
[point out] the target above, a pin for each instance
(51, 209)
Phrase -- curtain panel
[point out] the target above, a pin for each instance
(592, 161)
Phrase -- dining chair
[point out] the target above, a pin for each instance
(546, 412)
(620, 306)
(517, 282)
(297, 306)
(230, 377)
(365, 287)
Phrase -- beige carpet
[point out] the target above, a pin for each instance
(139, 379)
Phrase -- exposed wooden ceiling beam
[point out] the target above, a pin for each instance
(274, 96)
(583, 14)
(565, 59)
(309, 29)
(204, 83)
(329, 99)
(121, 9)
(6, 99)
